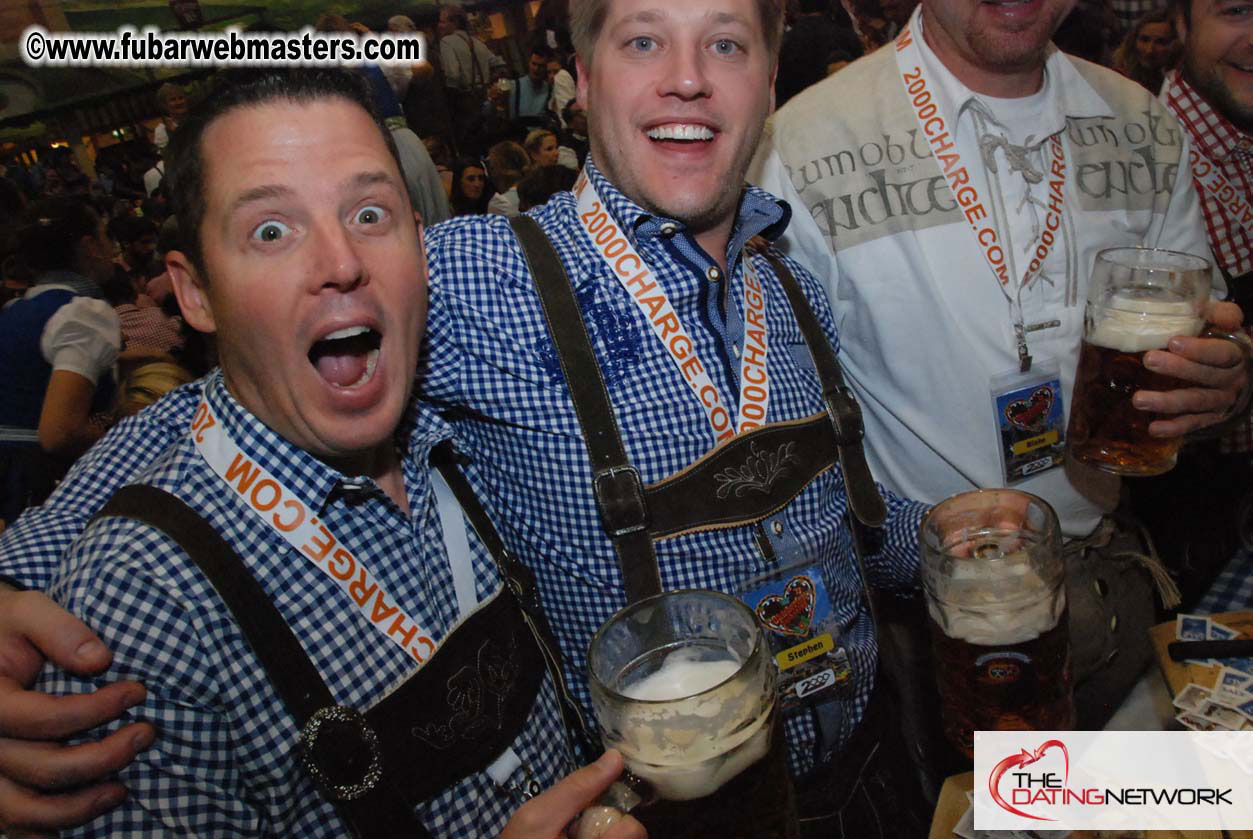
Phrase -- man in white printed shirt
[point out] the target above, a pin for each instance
(954, 189)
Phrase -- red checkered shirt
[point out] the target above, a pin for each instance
(148, 326)
(1230, 151)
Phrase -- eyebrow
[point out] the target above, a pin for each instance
(658, 15)
(375, 178)
(276, 191)
(259, 193)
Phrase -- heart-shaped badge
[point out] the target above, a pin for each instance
(790, 613)
(1030, 413)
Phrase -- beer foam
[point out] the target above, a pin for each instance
(1009, 607)
(695, 738)
(1132, 325)
(708, 762)
(681, 674)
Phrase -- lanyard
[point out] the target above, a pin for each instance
(639, 282)
(919, 90)
(291, 518)
(1224, 193)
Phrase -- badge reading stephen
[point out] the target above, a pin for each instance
(793, 606)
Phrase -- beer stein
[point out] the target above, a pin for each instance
(994, 579)
(684, 687)
(1138, 299)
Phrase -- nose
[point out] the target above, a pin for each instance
(686, 75)
(336, 263)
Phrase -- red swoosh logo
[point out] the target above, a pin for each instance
(1025, 758)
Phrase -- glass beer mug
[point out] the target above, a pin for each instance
(1138, 299)
(684, 687)
(993, 574)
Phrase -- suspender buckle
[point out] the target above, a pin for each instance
(845, 416)
(341, 752)
(620, 497)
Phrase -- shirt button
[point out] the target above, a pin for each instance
(777, 527)
(714, 274)
(668, 230)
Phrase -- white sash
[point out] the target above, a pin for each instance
(638, 280)
(281, 510)
(919, 90)
(1234, 205)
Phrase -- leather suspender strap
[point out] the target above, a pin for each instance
(616, 483)
(521, 582)
(373, 812)
(863, 496)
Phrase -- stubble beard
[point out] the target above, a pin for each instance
(1215, 91)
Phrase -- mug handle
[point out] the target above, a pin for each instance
(1239, 411)
(623, 795)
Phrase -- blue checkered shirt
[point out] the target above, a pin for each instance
(487, 350)
(225, 763)
(489, 354)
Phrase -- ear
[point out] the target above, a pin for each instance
(189, 290)
(580, 95)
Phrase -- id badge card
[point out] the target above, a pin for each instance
(1030, 420)
(795, 612)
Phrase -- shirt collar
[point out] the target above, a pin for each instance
(1071, 96)
(314, 481)
(1213, 134)
(758, 213)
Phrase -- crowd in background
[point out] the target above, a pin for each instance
(475, 136)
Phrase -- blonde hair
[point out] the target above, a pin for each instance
(535, 139)
(147, 383)
(587, 18)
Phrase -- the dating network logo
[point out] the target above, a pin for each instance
(1026, 787)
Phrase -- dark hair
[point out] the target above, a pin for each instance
(542, 183)
(461, 205)
(543, 51)
(49, 239)
(184, 171)
(127, 229)
(456, 15)
(119, 289)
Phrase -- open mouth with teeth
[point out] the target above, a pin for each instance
(347, 357)
(681, 133)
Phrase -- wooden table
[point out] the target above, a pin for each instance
(952, 803)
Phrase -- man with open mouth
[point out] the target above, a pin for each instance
(326, 648)
(640, 401)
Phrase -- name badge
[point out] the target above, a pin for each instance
(795, 611)
(1030, 420)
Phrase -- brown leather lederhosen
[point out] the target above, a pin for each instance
(457, 714)
(741, 482)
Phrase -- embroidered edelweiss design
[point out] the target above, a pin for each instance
(758, 473)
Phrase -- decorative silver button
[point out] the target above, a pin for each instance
(714, 274)
(777, 527)
(735, 348)
(668, 230)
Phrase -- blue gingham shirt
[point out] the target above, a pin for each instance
(489, 354)
(226, 761)
(487, 349)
